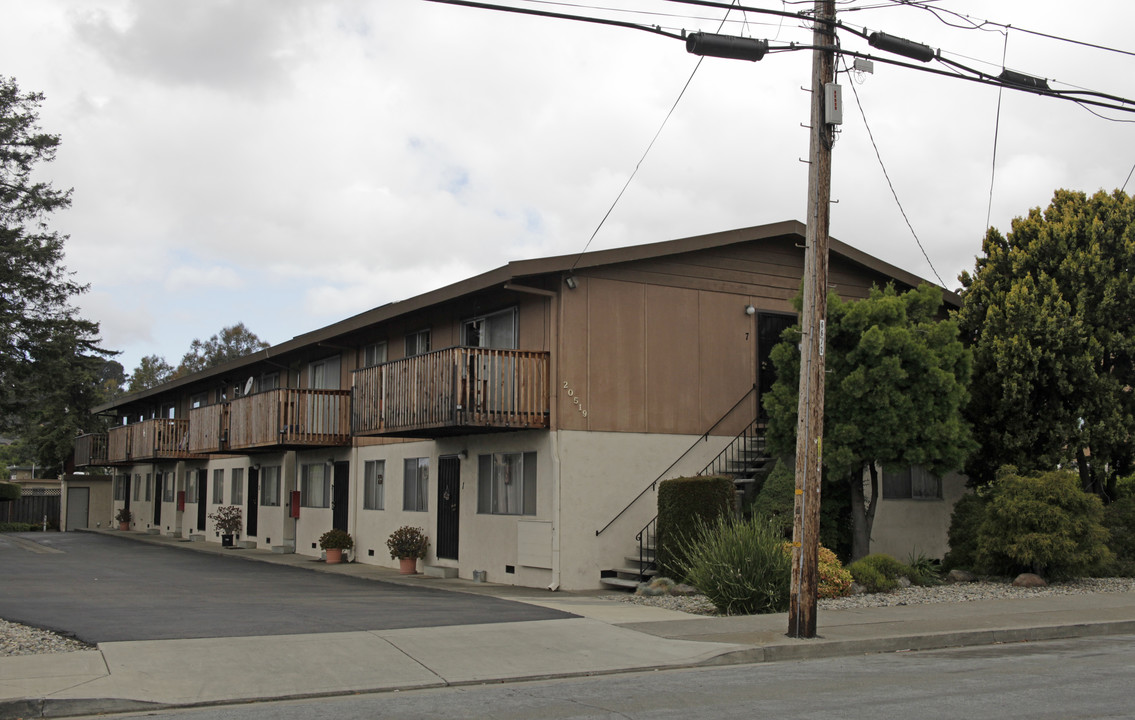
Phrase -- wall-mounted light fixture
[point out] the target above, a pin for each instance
(571, 282)
(750, 310)
(464, 454)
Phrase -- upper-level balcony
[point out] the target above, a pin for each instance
(280, 418)
(90, 449)
(158, 439)
(452, 391)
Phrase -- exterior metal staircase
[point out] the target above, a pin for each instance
(745, 459)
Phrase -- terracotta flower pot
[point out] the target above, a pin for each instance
(408, 566)
(123, 526)
(334, 556)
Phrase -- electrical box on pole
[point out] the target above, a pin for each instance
(833, 104)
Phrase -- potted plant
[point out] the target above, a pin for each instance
(407, 544)
(124, 516)
(335, 542)
(228, 520)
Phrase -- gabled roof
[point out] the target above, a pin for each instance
(520, 269)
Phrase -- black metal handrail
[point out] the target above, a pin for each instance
(701, 439)
(647, 537)
(728, 459)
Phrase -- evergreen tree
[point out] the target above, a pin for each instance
(1049, 312)
(46, 349)
(897, 378)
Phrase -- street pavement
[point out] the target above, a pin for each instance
(585, 634)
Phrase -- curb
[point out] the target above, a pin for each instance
(817, 650)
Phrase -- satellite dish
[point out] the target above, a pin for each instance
(248, 385)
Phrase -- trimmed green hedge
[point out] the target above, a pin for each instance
(682, 503)
(17, 527)
(9, 492)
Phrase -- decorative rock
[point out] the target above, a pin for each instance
(904, 582)
(856, 589)
(960, 576)
(1029, 580)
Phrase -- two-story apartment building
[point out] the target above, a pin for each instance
(516, 416)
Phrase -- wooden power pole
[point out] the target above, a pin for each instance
(810, 422)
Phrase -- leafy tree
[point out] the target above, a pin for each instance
(231, 343)
(1049, 313)
(152, 371)
(896, 383)
(46, 349)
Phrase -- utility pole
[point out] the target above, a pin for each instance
(810, 419)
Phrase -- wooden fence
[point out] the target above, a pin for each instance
(33, 506)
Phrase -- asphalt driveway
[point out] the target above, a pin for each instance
(104, 589)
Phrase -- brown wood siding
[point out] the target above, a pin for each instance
(664, 344)
(617, 324)
(673, 353)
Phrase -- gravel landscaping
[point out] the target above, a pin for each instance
(18, 639)
(914, 595)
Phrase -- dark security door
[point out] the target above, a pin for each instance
(158, 490)
(202, 507)
(127, 504)
(448, 506)
(769, 328)
(253, 496)
(341, 498)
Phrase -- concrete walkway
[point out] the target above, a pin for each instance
(606, 637)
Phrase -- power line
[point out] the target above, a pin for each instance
(879, 157)
(980, 24)
(560, 16)
(996, 136)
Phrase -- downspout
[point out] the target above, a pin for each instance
(557, 313)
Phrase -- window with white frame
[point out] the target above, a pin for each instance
(236, 494)
(315, 486)
(913, 482)
(374, 354)
(137, 486)
(416, 484)
(169, 483)
(417, 343)
(218, 486)
(324, 374)
(506, 484)
(496, 330)
(149, 481)
(270, 486)
(374, 491)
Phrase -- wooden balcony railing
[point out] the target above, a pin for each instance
(159, 439)
(208, 428)
(289, 417)
(452, 390)
(91, 449)
(118, 444)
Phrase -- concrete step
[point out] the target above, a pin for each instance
(246, 544)
(633, 572)
(153, 531)
(619, 583)
(284, 549)
(439, 571)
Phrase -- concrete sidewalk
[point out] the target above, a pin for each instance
(606, 637)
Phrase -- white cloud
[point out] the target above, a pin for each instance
(290, 163)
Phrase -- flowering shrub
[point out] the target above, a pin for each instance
(336, 540)
(835, 580)
(227, 518)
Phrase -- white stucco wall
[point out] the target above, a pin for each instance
(904, 528)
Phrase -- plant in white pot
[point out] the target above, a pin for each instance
(228, 522)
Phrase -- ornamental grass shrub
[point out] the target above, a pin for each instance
(1045, 524)
(740, 565)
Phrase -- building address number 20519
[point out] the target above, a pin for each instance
(575, 399)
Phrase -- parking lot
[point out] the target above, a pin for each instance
(102, 589)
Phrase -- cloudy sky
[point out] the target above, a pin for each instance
(288, 163)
